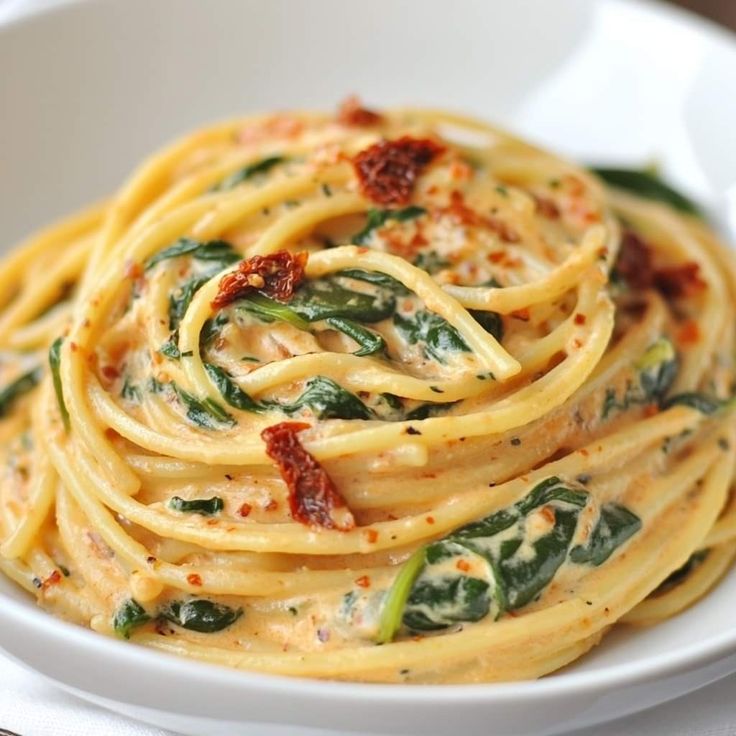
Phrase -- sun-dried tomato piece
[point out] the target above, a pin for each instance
(276, 275)
(634, 263)
(313, 497)
(681, 281)
(352, 113)
(636, 266)
(388, 170)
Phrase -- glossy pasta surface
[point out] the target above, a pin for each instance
(388, 396)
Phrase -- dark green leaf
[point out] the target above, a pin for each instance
(129, 616)
(424, 411)
(647, 185)
(130, 392)
(204, 506)
(370, 342)
(206, 413)
(180, 300)
(324, 298)
(703, 403)
(439, 601)
(55, 363)
(657, 369)
(211, 329)
(231, 392)
(378, 218)
(375, 277)
(328, 400)
(491, 322)
(682, 573)
(268, 310)
(201, 615)
(615, 525)
(171, 347)
(248, 172)
(17, 388)
(431, 261)
(215, 250)
(436, 335)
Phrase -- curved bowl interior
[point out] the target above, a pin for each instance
(598, 80)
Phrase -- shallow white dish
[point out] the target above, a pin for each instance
(88, 89)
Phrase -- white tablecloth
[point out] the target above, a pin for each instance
(32, 707)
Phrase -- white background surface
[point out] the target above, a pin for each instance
(31, 707)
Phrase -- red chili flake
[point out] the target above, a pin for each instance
(388, 170)
(313, 497)
(580, 319)
(351, 112)
(650, 410)
(682, 281)
(51, 580)
(194, 579)
(547, 207)
(461, 213)
(363, 581)
(372, 535)
(463, 565)
(245, 509)
(688, 333)
(110, 372)
(430, 520)
(272, 505)
(276, 275)
(133, 270)
(548, 513)
(523, 314)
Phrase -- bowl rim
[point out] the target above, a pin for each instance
(25, 614)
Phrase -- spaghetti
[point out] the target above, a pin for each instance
(390, 397)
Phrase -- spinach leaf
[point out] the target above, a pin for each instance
(328, 400)
(268, 310)
(370, 342)
(219, 251)
(615, 525)
(491, 322)
(211, 329)
(657, 369)
(377, 278)
(204, 506)
(515, 565)
(231, 392)
(17, 388)
(433, 332)
(129, 616)
(55, 363)
(324, 298)
(430, 261)
(130, 392)
(180, 300)
(424, 411)
(206, 413)
(440, 601)
(703, 403)
(248, 172)
(647, 185)
(201, 615)
(682, 573)
(378, 218)
(171, 347)
(656, 372)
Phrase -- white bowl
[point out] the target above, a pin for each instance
(88, 89)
